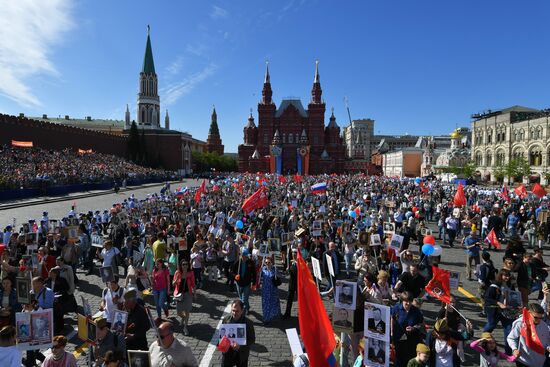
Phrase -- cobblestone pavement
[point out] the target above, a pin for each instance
(271, 348)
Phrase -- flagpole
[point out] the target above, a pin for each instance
(457, 311)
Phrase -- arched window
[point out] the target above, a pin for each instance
(535, 157)
(500, 158)
(478, 159)
(489, 159)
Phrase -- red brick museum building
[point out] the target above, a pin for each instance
(290, 139)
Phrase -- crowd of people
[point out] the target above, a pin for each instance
(173, 243)
(38, 168)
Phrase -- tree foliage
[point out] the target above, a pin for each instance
(465, 171)
(515, 169)
(206, 162)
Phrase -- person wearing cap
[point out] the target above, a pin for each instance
(444, 343)
(489, 355)
(106, 341)
(472, 245)
(422, 356)
(525, 355)
(137, 323)
(59, 357)
(170, 351)
(244, 272)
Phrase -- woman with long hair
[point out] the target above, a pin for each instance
(184, 285)
(271, 307)
(495, 305)
(161, 286)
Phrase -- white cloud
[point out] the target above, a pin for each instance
(28, 30)
(175, 91)
(175, 67)
(218, 13)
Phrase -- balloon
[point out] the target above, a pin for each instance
(417, 215)
(437, 250)
(414, 209)
(365, 197)
(418, 180)
(239, 224)
(427, 250)
(429, 239)
(352, 214)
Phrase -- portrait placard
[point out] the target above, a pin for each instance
(396, 243)
(139, 358)
(377, 321)
(72, 233)
(345, 294)
(41, 328)
(377, 352)
(97, 240)
(234, 332)
(316, 268)
(23, 288)
(389, 228)
(120, 319)
(375, 240)
(92, 330)
(23, 327)
(329, 264)
(274, 245)
(287, 237)
(86, 308)
(342, 320)
(454, 280)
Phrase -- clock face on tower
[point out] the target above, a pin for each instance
(276, 150)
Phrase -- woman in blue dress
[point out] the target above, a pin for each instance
(271, 307)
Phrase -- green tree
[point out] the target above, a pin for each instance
(206, 162)
(518, 169)
(500, 172)
(465, 171)
(133, 143)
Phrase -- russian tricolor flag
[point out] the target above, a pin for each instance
(319, 188)
(182, 191)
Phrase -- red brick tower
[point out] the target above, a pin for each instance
(214, 142)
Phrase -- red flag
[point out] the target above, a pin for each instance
(538, 190)
(521, 191)
(529, 333)
(357, 211)
(315, 326)
(200, 191)
(423, 188)
(255, 201)
(297, 178)
(492, 239)
(282, 179)
(460, 198)
(241, 187)
(439, 286)
(215, 188)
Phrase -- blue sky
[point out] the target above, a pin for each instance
(417, 67)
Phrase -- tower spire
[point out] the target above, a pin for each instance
(148, 63)
(266, 80)
(316, 92)
(316, 78)
(267, 93)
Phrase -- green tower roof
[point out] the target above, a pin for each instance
(148, 63)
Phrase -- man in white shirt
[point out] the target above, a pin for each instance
(111, 298)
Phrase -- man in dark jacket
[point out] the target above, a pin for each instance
(137, 323)
(237, 355)
(245, 276)
(292, 283)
